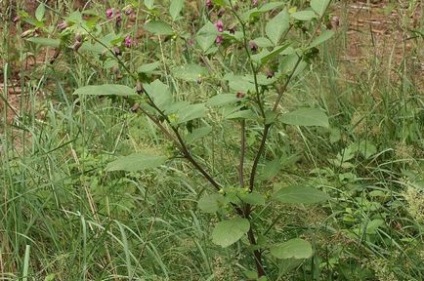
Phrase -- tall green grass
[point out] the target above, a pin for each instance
(62, 217)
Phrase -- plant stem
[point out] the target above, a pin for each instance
(242, 152)
(257, 254)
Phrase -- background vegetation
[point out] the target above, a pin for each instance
(64, 217)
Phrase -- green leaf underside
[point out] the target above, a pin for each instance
(293, 249)
(229, 232)
(304, 15)
(49, 42)
(105, 90)
(222, 99)
(136, 162)
(300, 195)
(306, 117)
(158, 28)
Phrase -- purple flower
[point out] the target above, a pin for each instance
(128, 42)
(219, 25)
(209, 4)
(219, 39)
(110, 13)
(254, 3)
(253, 46)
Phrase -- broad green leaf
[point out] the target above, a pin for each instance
(270, 6)
(304, 15)
(306, 117)
(277, 26)
(319, 6)
(158, 27)
(264, 56)
(49, 42)
(148, 67)
(270, 169)
(327, 34)
(197, 134)
(40, 12)
(105, 90)
(253, 198)
(300, 195)
(241, 114)
(293, 249)
(229, 232)
(209, 203)
(365, 148)
(239, 83)
(372, 226)
(175, 8)
(206, 36)
(222, 99)
(189, 72)
(191, 112)
(136, 162)
(159, 93)
(263, 42)
(149, 4)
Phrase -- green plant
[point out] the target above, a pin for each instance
(266, 48)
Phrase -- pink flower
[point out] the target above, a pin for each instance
(110, 13)
(209, 4)
(254, 3)
(219, 39)
(219, 25)
(128, 42)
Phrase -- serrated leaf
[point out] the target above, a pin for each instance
(300, 195)
(209, 203)
(175, 8)
(306, 117)
(159, 93)
(277, 26)
(206, 36)
(293, 249)
(191, 112)
(40, 12)
(253, 198)
(304, 15)
(229, 232)
(49, 42)
(136, 162)
(319, 6)
(158, 27)
(105, 90)
(327, 34)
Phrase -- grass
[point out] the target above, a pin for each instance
(63, 217)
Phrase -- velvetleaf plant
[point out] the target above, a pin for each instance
(276, 42)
